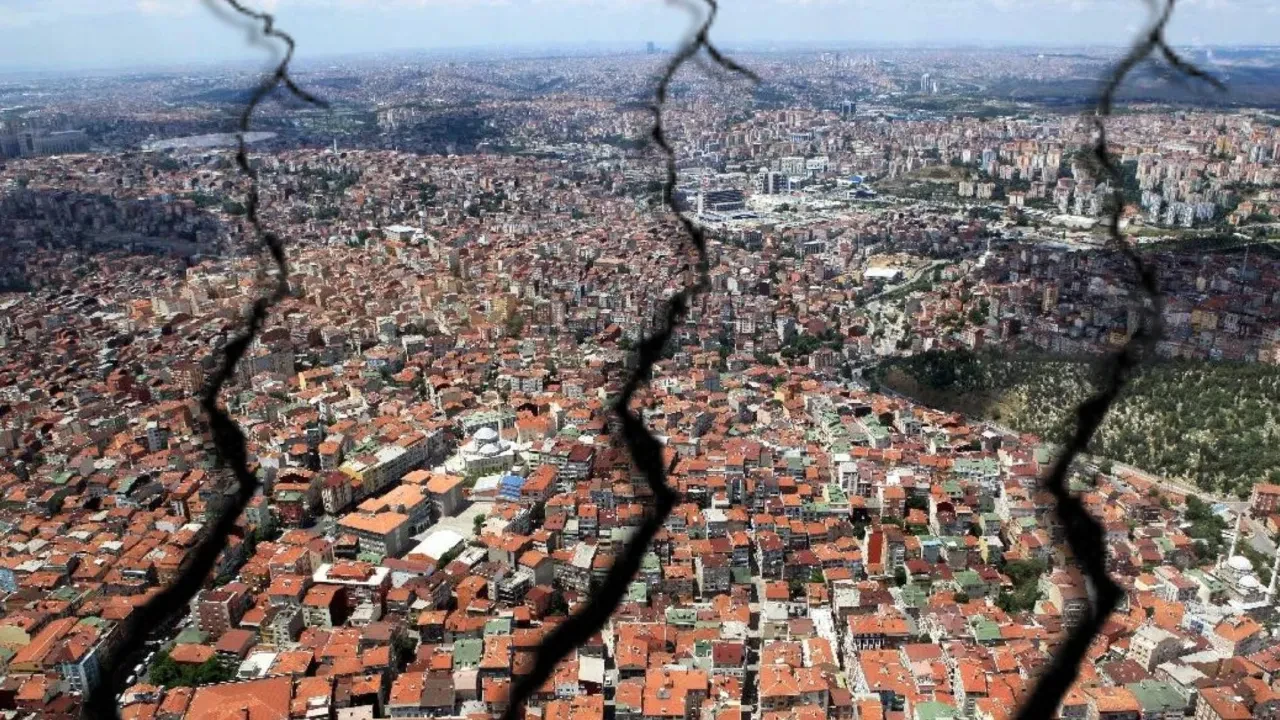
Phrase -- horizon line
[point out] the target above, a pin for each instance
(534, 51)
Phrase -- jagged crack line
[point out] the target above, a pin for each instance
(646, 452)
(228, 440)
(1084, 534)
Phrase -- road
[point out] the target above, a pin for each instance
(1181, 488)
(872, 304)
(1259, 538)
(909, 278)
(1093, 463)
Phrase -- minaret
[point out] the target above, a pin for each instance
(1275, 574)
(1235, 538)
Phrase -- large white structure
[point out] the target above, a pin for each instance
(486, 453)
(1237, 574)
(438, 544)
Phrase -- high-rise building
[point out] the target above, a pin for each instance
(792, 165)
(770, 182)
(650, 48)
(924, 83)
(219, 610)
(31, 143)
(26, 135)
(848, 109)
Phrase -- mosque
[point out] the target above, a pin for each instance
(487, 453)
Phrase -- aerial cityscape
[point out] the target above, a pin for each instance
(425, 290)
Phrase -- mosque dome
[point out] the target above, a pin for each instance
(1240, 563)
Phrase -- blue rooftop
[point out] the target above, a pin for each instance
(510, 485)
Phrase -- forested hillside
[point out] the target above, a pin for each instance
(1215, 424)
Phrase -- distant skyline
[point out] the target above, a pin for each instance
(62, 35)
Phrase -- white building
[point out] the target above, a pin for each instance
(487, 453)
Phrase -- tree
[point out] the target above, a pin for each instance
(1025, 571)
(170, 674)
(816, 576)
(514, 325)
(1261, 563)
(557, 605)
(1025, 575)
(900, 576)
(450, 556)
(164, 671)
(962, 597)
(478, 522)
(209, 672)
(405, 647)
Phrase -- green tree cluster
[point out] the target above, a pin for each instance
(165, 671)
(1206, 528)
(1216, 424)
(1025, 575)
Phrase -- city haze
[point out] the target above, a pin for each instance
(87, 34)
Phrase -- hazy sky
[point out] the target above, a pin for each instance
(73, 34)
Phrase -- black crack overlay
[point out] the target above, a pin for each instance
(646, 451)
(1085, 535)
(228, 439)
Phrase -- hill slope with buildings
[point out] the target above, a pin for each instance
(1214, 424)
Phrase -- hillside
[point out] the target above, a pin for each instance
(1214, 424)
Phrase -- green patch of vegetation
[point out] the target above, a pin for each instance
(1025, 575)
(1212, 423)
(450, 556)
(170, 674)
(1260, 561)
(165, 163)
(204, 200)
(1206, 528)
(804, 344)
(514, 325)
